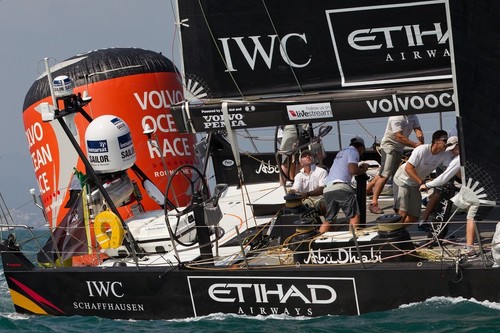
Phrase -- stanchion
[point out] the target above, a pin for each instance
(361, 197)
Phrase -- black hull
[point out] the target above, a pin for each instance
(160, 293)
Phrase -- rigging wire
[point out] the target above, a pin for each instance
(218, 49)
(282, 48)
(233, 79)
(365, 129)
(177, 29)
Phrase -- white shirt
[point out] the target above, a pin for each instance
(424, 162)
(339, 172)
(395, 124)
(447, 174)
(304, 182)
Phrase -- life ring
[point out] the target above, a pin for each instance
(108, 220)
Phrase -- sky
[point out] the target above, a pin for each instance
(31, 30)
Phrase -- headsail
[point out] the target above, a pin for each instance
(70, 237)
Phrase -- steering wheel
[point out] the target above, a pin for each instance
(197, 183)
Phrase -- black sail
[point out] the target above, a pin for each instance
(476, 42)
(309, 61)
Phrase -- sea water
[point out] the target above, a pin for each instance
(435, 315)
(438, 314)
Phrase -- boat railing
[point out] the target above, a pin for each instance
(256, 250)
(9, 238)
(418, 249)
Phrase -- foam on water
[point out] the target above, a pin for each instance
(441, 300)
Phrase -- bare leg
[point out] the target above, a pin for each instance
(354, 221)
(411, 219)
(284, 168)
(325, 226)
(289, 168)
(407, 218)
(470, 232)
(371, 184)
(379, 186)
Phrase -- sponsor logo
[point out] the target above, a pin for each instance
(403, 42)
(296, 296)
(162, 99)
(439, 224)
(105, 288)
(118, 123)
(127, 153)
(236, 47)
(382, 38)
(309, 111)
(124, 141)
(108, 306)
(109, 294)
(228, 163)
(97, 146)
(411, 103)
(99, 159)
(263, 292)
(341, 256)
(217, 121)
(267, 168)
(440, 216)
(41, 155)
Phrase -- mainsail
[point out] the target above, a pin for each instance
(282, 62)
(276, 62)
(476, 51)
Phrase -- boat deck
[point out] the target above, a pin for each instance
(454, 241)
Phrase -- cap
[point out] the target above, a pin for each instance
(451, 142)
(306, 152)
(357, 139)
